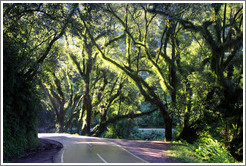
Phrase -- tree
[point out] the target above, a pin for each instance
(64, 98)
(224, 37)
(89, 68)
(23, 54)
(137, 43)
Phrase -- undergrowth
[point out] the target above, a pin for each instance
(205, 150)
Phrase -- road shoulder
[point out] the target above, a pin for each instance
(150, 151)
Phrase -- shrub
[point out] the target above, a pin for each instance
(211, 150)
(120, 129)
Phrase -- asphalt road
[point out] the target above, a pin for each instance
(82, 149)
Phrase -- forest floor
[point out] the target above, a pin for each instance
(150, 151)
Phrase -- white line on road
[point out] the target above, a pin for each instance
(101, 158)
(90, 146)
(131, 153)
(62, 156)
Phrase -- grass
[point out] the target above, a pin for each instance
(183, 152)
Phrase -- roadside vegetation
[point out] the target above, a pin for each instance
(204, 150)
(107, 69)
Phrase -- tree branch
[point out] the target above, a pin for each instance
(32, 72)
(131, 115)
(115, 39)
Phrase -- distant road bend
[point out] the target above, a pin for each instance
(83, 149)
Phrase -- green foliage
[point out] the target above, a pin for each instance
(149, 135)
(20, 106)
(46, 118)
(210, 150)
(205, 150)
(121, 129)
(153, 120)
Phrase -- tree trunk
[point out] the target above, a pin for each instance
(186, 117)
(168, 129)
(61, 119)
(99, 129)
(88, 121)
(60, 128)
(168, 119)
(88, 109)
(79, 126)
(80, 119)
(173, 82)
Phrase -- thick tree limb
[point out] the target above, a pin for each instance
(131, 115)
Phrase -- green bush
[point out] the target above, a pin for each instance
(211, 150)
(125, 129)
(152, 135)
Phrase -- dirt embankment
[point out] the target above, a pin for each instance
(44, 153)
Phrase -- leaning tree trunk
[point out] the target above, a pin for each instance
(102, 126)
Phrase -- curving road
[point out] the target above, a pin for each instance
(83, 149)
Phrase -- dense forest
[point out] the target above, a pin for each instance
(96, 69)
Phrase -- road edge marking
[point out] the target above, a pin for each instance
(62, 161)
(101, 158)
